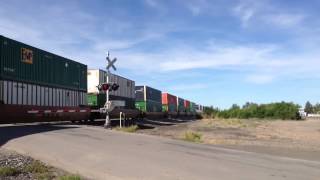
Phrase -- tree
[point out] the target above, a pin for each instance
(235, 106)
(308, 107)
(316, 108)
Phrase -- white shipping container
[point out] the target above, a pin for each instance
(97, 76)
(28, 94)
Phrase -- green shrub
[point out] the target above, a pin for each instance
(282, 110)
(70, 177)
(36, 167)
(130, 129)
(8, 171)
(193, 137)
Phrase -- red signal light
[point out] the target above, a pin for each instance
(105, 87)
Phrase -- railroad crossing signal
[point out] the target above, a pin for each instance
(108, 87)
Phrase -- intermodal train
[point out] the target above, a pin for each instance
(36, 85)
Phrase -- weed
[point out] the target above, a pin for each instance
(130, 129)
(36, 167)
(193, 137)
(44, 176)
(8, 171)
(70, 177)
(40, 170)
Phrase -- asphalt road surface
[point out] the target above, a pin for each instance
(97, 153)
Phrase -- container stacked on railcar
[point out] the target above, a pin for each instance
(148, 99)
(97, 98)
(125, 92)
(187, 105)
(36, 85)
(180, 105)
(169, 102)
(192, 107)
(199, 108)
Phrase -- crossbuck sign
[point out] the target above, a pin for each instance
(111, 63)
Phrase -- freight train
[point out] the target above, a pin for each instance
(36, 85)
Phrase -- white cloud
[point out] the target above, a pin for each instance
(260, 78)
(260, 64)
(196, 7)
(248, 10)
(152, 3)
(244, 13)
(188, 87)
(253, 13)
(217, 57)
(285, 20)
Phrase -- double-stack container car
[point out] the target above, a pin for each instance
(180, 105)
(148, 99)
(125, 92)
(36, 85)
(192, 107)
(199, 108)
(98, 98)
(187, 105)
(169, 102)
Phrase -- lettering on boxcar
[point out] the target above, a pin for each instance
(6, 69)
(26, 55)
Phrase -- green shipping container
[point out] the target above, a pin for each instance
(24, 63)
(92, 99)
(141, 105)
(187, 109)
(192, 107)
(149, 106)
(169, 108)
(98, 100)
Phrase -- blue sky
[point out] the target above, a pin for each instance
(213, 52)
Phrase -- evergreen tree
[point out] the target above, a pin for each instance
(308, 107)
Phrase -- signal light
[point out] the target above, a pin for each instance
(115, 87)
(108, 87)
(105, 87)
(99, 87)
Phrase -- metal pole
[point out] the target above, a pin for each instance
(107, 123)
(120, 120)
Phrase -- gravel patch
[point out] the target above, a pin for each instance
(18, 162)
(26, 168)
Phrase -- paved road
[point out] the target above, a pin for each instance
(104, 154)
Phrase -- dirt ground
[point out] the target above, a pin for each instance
(295, 139)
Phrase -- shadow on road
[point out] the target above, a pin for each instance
(142, 123)
(9, 132)
(150, 124)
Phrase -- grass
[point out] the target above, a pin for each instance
(232, 123)
(130, 129)
(44, 176)
(40, 170)
(36, 167)
(193, 137)
(70, 177)
(8, 171)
